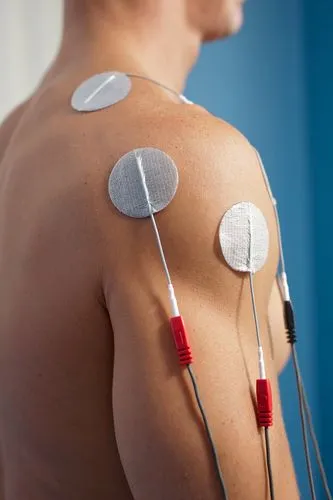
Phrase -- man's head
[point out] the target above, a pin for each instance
(216, 18)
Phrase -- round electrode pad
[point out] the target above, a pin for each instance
(101, 91)
(144, 181)
(244, 237)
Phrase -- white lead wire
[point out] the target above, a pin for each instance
(268, 186)
(262, 370)
(172, 295)
(172, 91)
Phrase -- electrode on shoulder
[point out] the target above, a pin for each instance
(101, 91)
(244, 237)
(143, 181)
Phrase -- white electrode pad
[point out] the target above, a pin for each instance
(244, 237)
(143, 181)
(101, 91)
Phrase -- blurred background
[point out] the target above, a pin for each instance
(274, 82)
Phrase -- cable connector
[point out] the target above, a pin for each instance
(264, 403)
(289, 320)
(181, 340)
(284, 287)
(173, 300)
(262, 370)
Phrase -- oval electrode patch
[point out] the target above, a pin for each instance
(101, 91)
(244, 237)
(143, 181)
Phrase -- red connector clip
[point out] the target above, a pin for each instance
(264, 403)
(181, 340)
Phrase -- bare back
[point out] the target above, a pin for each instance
(92, 398)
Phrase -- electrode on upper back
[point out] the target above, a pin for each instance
(107, 89)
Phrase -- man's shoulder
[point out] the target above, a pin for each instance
(205, 149)
(216, 165)
(188, 133)
(195, 139)
(190, 124)
(196, 134)
(213, 159)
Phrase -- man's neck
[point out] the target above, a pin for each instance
(155, 42)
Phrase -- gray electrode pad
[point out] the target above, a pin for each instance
(244, 237)
(143, 181)
(101, 91)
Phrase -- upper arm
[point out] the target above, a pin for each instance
(159, 431)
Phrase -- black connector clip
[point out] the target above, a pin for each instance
(289, 319)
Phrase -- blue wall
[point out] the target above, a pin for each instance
(257, 81)
(319, 51)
